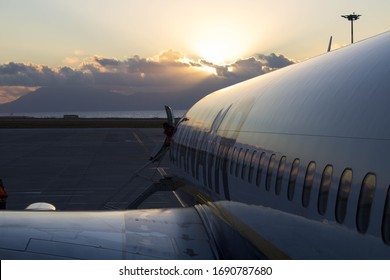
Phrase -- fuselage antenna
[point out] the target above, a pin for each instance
(330, 44)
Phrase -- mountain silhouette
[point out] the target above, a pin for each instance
(77, 98)
(52, 99)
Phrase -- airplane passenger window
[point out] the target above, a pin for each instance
(210, 163)
(233, 160)
(193, 150)
(252, 167)
(270, 169)
(200, 156)
(239, 161)
(182, 153)
(220, 155)
(365, 201)
(260, 169)
(386, 220)
(228, 155)
(323, 194)
(293, 179)
(218, 164)
(245, 164)
(307, 186)
(279, 176)
(343, 194)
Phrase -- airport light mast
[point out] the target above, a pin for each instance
(351, 18)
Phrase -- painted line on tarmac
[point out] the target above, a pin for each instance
(141, 143)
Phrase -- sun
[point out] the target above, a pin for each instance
(218, 51)
(219, 45)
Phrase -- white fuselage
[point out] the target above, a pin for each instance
(310, 142)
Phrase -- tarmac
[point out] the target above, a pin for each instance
(80, 168)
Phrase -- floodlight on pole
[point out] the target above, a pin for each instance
(351, 18)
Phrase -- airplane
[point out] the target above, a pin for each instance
(293, 164)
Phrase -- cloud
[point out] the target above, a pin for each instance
(170, 72)
(241, 69)
(274, 61)
(107, 62)
(170, 56)
(72, 60)
(32, 75)
(250, 67)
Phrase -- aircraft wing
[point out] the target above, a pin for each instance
(132, 234)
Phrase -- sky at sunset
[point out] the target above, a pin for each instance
(132, 46)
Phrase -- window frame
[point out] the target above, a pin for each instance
(245, 163)
(343, 192)
(292, 181)
(386, 219)
(366, 197)
(252, 166)
(270, 171)
(325, 186)
(308, 183)
(259, 172)
(280, 174)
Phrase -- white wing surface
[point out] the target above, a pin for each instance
(134, 234)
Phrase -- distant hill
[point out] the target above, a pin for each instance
(52, 99)
(72, 98)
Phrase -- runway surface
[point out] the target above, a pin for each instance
(79, 169)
